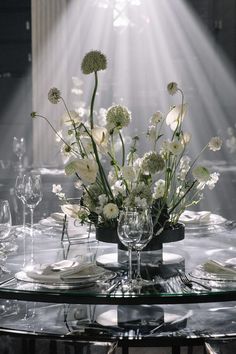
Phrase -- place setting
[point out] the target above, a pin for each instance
(65, 274)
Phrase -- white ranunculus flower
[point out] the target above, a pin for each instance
(128, 173)
(201, 174)
(176, 115)
(110, 211)
(87, 170)
(175, 147)
(100, 136)
(215, 143)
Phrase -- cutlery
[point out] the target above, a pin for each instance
(189, 282)
(113, 287)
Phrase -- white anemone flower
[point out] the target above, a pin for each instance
(176, 115)
(175, 147)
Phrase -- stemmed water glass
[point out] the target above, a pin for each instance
(19, 191)
(146, 227)
(19, 149)
(129, 232)
(32, 196)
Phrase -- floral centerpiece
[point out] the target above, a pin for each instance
(164, 178)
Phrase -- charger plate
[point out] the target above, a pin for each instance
(200, 273)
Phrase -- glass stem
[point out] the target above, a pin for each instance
(130, 264)
(32, 234)
(138, 265)
(23, 223)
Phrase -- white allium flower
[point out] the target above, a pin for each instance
(201, 174)
(159, 189)
(110, 211)
(128, 173)
(172, 88)
(152, 162)
(215, 143)
(175, 147)
(87, 170)
(93, 61)
(117, 117)
(176, 115)
(54, 95)
(156, 118)
(56, 188)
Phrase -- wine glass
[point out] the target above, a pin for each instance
(129, 232)
(19, 149)
(19, 192)
(146, 226)
(5, 220)
(32, 196)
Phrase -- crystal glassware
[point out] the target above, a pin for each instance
(146, 227)
(19, 192)
(32, 196)
(5, 220)
(19, 150)
(129, 233)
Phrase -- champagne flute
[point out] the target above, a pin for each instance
(19, 149)
(32, 196)
(19, 191)
(146, 226)
(129, 233)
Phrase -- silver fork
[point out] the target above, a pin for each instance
(189, 282)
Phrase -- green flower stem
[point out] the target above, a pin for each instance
(123, 149)
(40, 116)
(93, 99)
(179, 201)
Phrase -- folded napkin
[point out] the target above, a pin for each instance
(197, 217)
(58, 217)
(219, 268)
(52, 274)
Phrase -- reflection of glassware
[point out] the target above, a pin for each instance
(32, 196)
(146, 227)
(5, 220)
(19, 149)
(129, 232)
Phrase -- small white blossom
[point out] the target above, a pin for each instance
(214, 177)
(159, 189)
(112, 178)
(215, 143)
(184, 166)
(151, 133)
(141, 202)
(102, 199)
(118, 188)
(175, 147)
(110, 211)
(78, 184)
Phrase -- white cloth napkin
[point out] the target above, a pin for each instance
(195, 217)
(219, 268)
(50, 274)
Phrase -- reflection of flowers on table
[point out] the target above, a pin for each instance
(164, 177)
